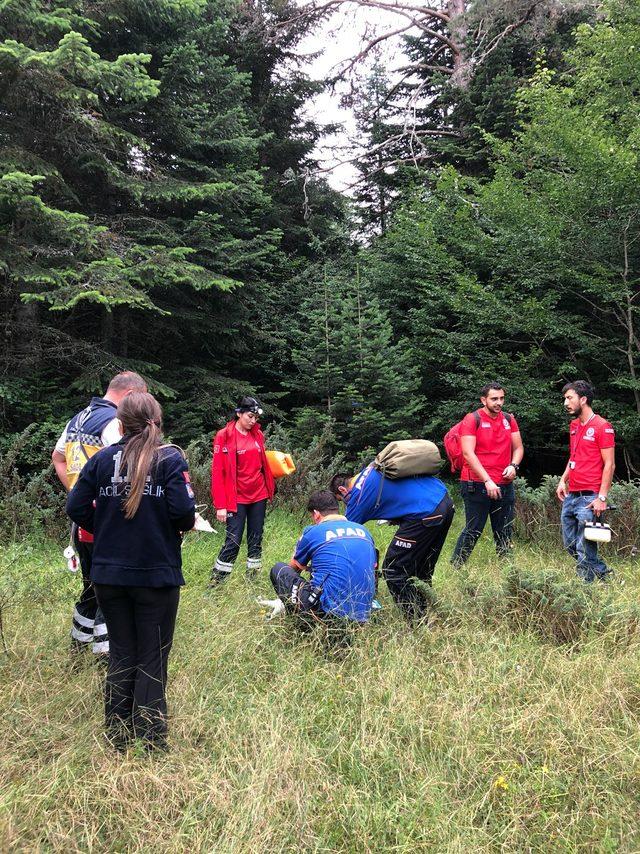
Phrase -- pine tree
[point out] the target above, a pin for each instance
(347, 366)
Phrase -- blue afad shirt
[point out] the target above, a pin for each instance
(343, 560)
(404, 498)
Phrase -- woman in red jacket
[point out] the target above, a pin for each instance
(241, 484)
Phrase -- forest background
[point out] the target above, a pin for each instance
(161, 210)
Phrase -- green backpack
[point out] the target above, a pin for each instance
(407, 458)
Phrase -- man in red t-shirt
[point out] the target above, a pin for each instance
(586, 481)
(492, 450)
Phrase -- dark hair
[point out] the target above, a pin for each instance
(495, 386)
(127, 380)
(337, 481)
(248, 404)
(582, 388)
(141, 418)
(323, 501)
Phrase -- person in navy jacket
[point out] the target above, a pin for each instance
(422, 508)
(136, 499)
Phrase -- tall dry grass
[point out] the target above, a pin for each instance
(472, 733)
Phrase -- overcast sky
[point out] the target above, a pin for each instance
(338, 39)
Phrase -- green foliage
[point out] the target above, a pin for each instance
(29, 504)
(531, 276)
(153, 216)
(474, 734)
(136, 206)
(538, 514)
(316, 463)
(348, 365)
(562, 610)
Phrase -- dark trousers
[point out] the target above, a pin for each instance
(140, 621)
(253, 515)
(293, 589)
(413, 553)
(88, 626)
(477, 507)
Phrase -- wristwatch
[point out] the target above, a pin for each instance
(516, 467)
(602, 498)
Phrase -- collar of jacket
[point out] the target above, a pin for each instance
(230, 433)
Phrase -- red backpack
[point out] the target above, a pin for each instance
(453, 446)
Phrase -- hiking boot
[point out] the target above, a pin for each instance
(217, 578)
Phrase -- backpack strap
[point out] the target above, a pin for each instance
(381, 487)
(177, 447)
(476, 418)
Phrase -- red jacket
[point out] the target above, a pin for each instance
(223, 467)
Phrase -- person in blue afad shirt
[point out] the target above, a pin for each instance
(342, 560)
(136, 499)
(424, 511)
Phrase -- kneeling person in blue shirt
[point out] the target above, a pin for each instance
(342, 559)
(422, 508)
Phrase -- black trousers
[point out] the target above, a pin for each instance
(413, 553)
(478, 507)
(88, 626)
(141, 621)
(253, 515)
(293, 589)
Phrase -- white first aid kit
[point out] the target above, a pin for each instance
(597, 532)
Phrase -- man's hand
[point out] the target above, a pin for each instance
(597, 505)
(493, 491)
(510, 472)
(276, 605)
(221, 516)
(561, 491)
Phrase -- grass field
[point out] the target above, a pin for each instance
(477, 732)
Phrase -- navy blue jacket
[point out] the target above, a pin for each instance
(143, 551)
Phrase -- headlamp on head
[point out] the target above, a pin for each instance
(249, 404)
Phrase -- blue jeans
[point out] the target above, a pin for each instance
(478, 507)
(572, 518)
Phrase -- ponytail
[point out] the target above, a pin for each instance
(141, 418)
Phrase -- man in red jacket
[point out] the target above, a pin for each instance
(241, 485)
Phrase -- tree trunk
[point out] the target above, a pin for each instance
(458, 33)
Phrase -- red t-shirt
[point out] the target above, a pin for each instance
(250, 483)
(585, 460)
(493, 444)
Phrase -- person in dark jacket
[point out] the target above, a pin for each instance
(136, 499)
(241, 485)
(95, 427)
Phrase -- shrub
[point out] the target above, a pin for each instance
(538, 514)
(198, 453)
(563, 610)
(31, 503)
(315, 465)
